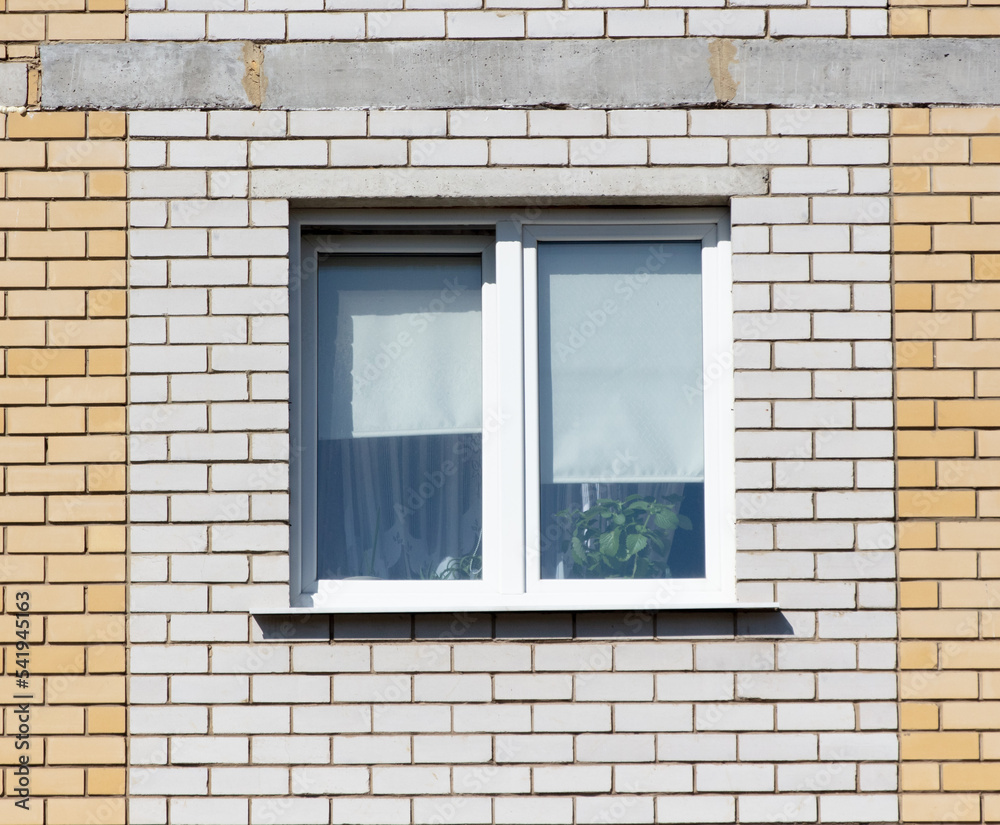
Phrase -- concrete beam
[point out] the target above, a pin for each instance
(501, 187)
(635, 73)
(13, 84)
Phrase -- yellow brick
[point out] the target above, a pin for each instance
(89, 390)
(85, 690)
(907, 22)
(85, 214)
(106, 478)
(967, 178)
(965, 120)
(51, 598)
(940, 384)
(90, 750)
(106, 361)
(914, 354)
(919, 594)
(87, 273)
(932, 267)
(986, 208)
(16, 816)
(986, 267)
(54, 659)
(910, 179)
(912, 296)
(47, 5)
(911, 238)
(106, 628)
(48, 539)
(105, 720)
(8, 631)
(9, 754)
(36, 303)
(967, 296)
(991, 808)
(916, 473)
(46, 362)
(86, 508)
(22, 509)
(960, 238)
(937, 149)
(931, 684)
(989, 564)
(933, 325)
(17, 391)
(978, 473)
(87, 27)
(16, 155)
(971, 777)
(47, 125)
(22, 214)
(968, 534)
(991, 690)
(919, 776)
(22, 568)
(106, 598)
(970, 593)
(56, 244)
(910, 121)
(106, 420)
(921, 746)
(91, 448)
(106, 781)
(70, 811)
(22, 333)
(971, 655)
(51, 781)
(989, 443)
(988, 324)
(45, 479)
(101, 568)
(86, 333)
(106, 244)
(95, 154)
(936, 503)
(918, 716)
(46, 184)
(917, 655)
(914, 413)
(929, 443)
(105, 124)
(106, 659)
(938, 624)
(957, 22)
(106, 5)
(966, 413)
(105, 184)
(106, 538)
(20, 274)
(108, 303)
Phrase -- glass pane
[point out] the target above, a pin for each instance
(620, 410)
(399, 387)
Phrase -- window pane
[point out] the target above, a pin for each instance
(399, 387)
(620, 410)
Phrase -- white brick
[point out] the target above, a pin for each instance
(331, 659)
(325, 27)
(572, 718)
(755, 475)
(652, 717)
(236, 26)
(646, 23)
(487, 123)
(166, 26)
(773, 445)
(210, 569)
(857, 686)
(247, 124)
(166, 477)
(443, 810)
(751, 239)
(254, 416)
(728, 122)
(870, 179)
(148, 569)
(859, 746)
(855, 505)
(812, 355)
(145, 153)
(864, 444)
(809, 121)
(250, 781)
(208, 388)
(538, 810)
(653, 778)
(449, 750)
(332, 719)
(492, 657)
(812, 595)
(857, 807)
(821, 414)
(147, 273)
(567, 122)
(876, 594)
(573, 779)
(733, 656)
(851, 210)
(617, 808)
(852, 151)
(812, 535)
(852, 325)
(547, 747)
(309, 779)
(371, 152)
(407, 123)
(168, 720)
(488, 24)
(754, 384)
(301, 811)
(832, 238)
(692, 809)
(734, 777)
(851, 267)
(411, 718)
(406, 25)
(826, 776)
(151, 243)
(492, 718)
(491, 779)
(172, 659)
(261, 719)
(769, 150)
(452, 688)
(372, 688)
(328, 124)
(878, 777)
(726, 23)
(774, 565)
(643, 122)
(530, 687)
(210, 749)
(871, 355)
(771, 267)
(734, 717)
(166, 124)
(778, 747)
(290, 750)
(533, 152)
(866, 565)
(208, 153)
(285, 153)
(769, 210)
(363, 750)
(207, 213)
(807, 181)
(622, 687)
(558, 24)
(148, 690)
(208, 628)
(256, 241)
(780, 808)
(653, 656)
(210, 272)
(228, 183)
(161, 598)
(682, 150)
(169, 781)
(410, 780)
(870, 624)
(770, 326)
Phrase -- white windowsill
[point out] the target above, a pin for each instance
(403, 607)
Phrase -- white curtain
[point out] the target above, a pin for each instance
(620, 362)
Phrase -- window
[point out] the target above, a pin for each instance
(492, 412)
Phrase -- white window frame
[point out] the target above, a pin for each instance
(510, 410)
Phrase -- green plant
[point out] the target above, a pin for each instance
(465, 568)
(623, 539)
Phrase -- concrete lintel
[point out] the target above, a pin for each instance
(441, 186)
(633, 73)
(13, 84)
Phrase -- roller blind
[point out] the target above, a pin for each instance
(620, 362)
(399, 346)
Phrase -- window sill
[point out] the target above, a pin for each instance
(485, 607)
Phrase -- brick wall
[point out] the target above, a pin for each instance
(63, 447)
(946, 263)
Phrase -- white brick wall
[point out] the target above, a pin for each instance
(677, 717)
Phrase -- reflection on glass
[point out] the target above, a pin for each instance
(620, 410)
(399, 459)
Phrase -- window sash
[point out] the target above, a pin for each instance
(510, 432)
